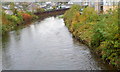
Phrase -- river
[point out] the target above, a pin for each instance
(46, 45)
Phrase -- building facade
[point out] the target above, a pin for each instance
(101, 6)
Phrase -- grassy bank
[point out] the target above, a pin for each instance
(99, 32)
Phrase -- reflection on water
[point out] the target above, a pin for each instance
(46, 45)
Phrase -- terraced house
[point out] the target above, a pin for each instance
(101, 6)
(105, 5)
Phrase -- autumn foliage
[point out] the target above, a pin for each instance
(26, 17)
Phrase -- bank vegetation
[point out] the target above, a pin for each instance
(98, 31)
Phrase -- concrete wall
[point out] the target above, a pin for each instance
(50, 13)
(106, 8)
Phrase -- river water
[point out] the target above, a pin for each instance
(46, 45)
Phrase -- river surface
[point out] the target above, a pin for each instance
(46, 45)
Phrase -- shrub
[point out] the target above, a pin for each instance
(69, 15)
(107, 33)
(90, 14)
(100, 31)
(26, 17)
(15, 19)
(10, 22)
(40, 10)
(19, 15)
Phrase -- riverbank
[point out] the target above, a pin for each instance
(21, 19)
(99, 32)
(11, 22)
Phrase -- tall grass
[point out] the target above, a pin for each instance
(98, 31)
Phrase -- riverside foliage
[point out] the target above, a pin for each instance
(98, 31)
(10, 22)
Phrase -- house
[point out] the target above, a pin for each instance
(7, 10)
(32, 7)
(99, 5)
(107, 4)
(5, 7)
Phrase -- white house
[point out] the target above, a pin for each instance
(9, 12)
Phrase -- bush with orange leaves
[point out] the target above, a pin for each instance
(26, 17)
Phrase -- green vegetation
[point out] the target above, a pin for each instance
(10, 22)
(40, 9)
(61, 16)
(99, 32)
